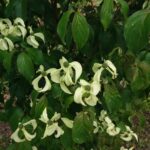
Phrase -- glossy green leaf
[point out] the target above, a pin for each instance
(106, 13)
(82, 128)
(63, 24)
(137, 30)
(124, 7)
(112, 98)
(7, 62)
(20, 146)
(36, 55)
(25, 66)
(80, 30)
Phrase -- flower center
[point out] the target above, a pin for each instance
(87, 88)
(44, 73)
(49, 122)
(86, 95)
(66, 64)
(104, 65)
(62, 73)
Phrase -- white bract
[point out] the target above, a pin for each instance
(18, 28)
(128, 134)
(6, 44)
(99, 68)
(51, 124)
(43, 74)
(106, 124)
(86, 93)
(67, 75)
(32, 38)
(5, 25)
(22, 128)
(123, 148)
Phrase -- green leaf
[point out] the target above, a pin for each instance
(20, 146)
(25, 66)
(7, 62)
(63, 24)
(36, 55)
(112, 98)
(106, 13)
(40, 106)
(16, 115)
(80, 30)
(124, 8)
(82, 128)
(137, 30)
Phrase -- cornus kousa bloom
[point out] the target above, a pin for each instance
(67, 75)
(106, 124)
(5, 25)
(26, 135)
(52, 124)
(18, 28)
(86, 94)
(123, 148)
(32, 38)
(128, 134)
(6, 44)
(44, 75)
(99, 68)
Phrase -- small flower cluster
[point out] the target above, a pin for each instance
(17, 29)
(68, 74)
(105, 123)
(22, 134)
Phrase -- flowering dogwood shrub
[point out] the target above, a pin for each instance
(75, 72)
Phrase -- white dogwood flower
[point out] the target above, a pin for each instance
(18, 28)
(26, 134)
(123, 148)
(86, 94)
(43, 74)
(128, 134)
(67, 75)
(32, 38)
(6, 44)
(99, 68)
(5, 25)
(51, 124)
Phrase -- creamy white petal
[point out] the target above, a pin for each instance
(68, 79)
(10, 44)
(96, 67)
(96, 87)
(16, 137)
(78, 69)
(34, 148)
(78, 96)
(44, 117)
(31, 122)
(27, 135)
(91, 100)
(59, 131)
(40, 35)
(56, 117)
(67, 122)
(108, 121)
(97, 75)
(22, 30)
(35, 83)
(113, 131)
(47, 85)
(64, 88)
(126, 137)
(32, 41)
(55, 75)
(83, 82)
(3, 45)
(50, 129)
(41, 69)
(19, 21)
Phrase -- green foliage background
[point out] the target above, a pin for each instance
(81, 31)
